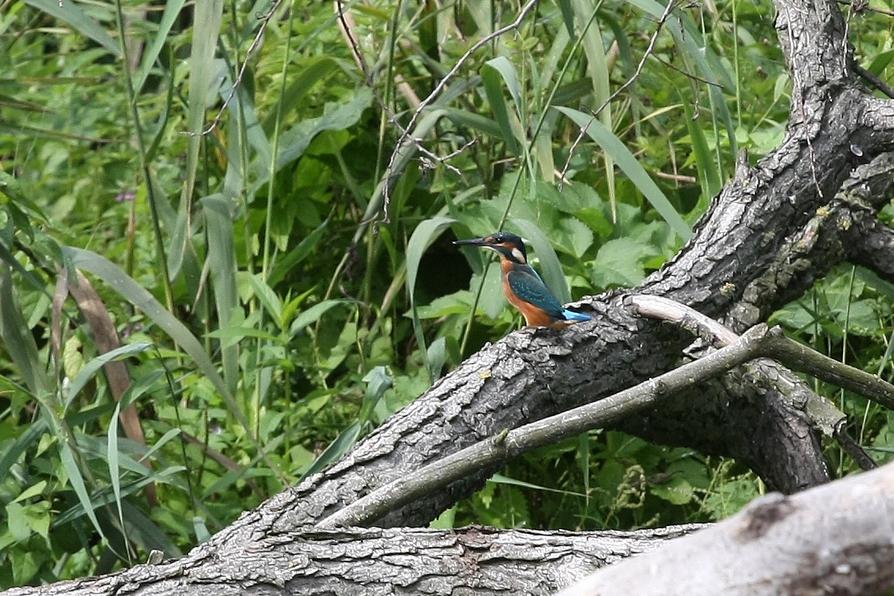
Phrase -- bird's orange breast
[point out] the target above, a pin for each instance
(534, 316)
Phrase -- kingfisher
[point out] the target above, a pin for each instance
(522, 285)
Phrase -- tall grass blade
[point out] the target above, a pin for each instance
(77, 483)
(424, 234)
(202, 69)
(708, 175)
(493, 71)
(19, 341)
(222, 265)
(597, 68)
(168, 18)
(73, 14)
(134, 293)
(91, 368)
(628, 163)
(114, 472)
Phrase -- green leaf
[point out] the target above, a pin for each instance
(267, 297)
(628, 163)
(474, 121)
(619, 263)
(550, 267)
(318, 69)
(134, 293)
(86, 373)
(312, 315)
(445, 521)
(576, 236)
(597, 68)
(174, 432)
(12, 453)
(222, 265)
(491, 74)
(19, 342)
(77, 483)
(378, 380)
(708, 174)
(425, 233)
(73, 14)
(676, 490)
(294, 141)
(168, 18)
(207, 17)
(336, 449)
(112, 462)
(16, 521)
(295, 256)
(31, 491)
(423, 236)
(500, 479)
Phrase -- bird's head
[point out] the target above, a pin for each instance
(508, 245)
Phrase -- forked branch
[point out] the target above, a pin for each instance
(760, 341)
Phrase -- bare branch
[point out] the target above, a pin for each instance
(657, 307)
(795, 355)
(545, 431)
(311, 561)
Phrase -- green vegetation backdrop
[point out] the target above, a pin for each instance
(214, 169)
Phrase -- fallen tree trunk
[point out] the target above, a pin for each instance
(834, 539)
(378, 561)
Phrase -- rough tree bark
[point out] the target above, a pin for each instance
(378, 561)
(774, 229)
(834, 539)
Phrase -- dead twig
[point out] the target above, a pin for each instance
(668, 9)
(390, 174)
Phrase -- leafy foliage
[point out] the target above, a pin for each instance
(223, 216)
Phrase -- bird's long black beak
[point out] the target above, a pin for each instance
(472, 242)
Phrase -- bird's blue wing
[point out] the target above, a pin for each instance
(528, 286)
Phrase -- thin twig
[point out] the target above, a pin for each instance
(265, 21)
(389, 170)
(668, 9)
(861, 5)
(429, 160)
(852, 448)
(684, 178)
(876, 81)
(347, 28)
(689, 75)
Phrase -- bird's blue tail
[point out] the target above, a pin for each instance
(570, 315)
